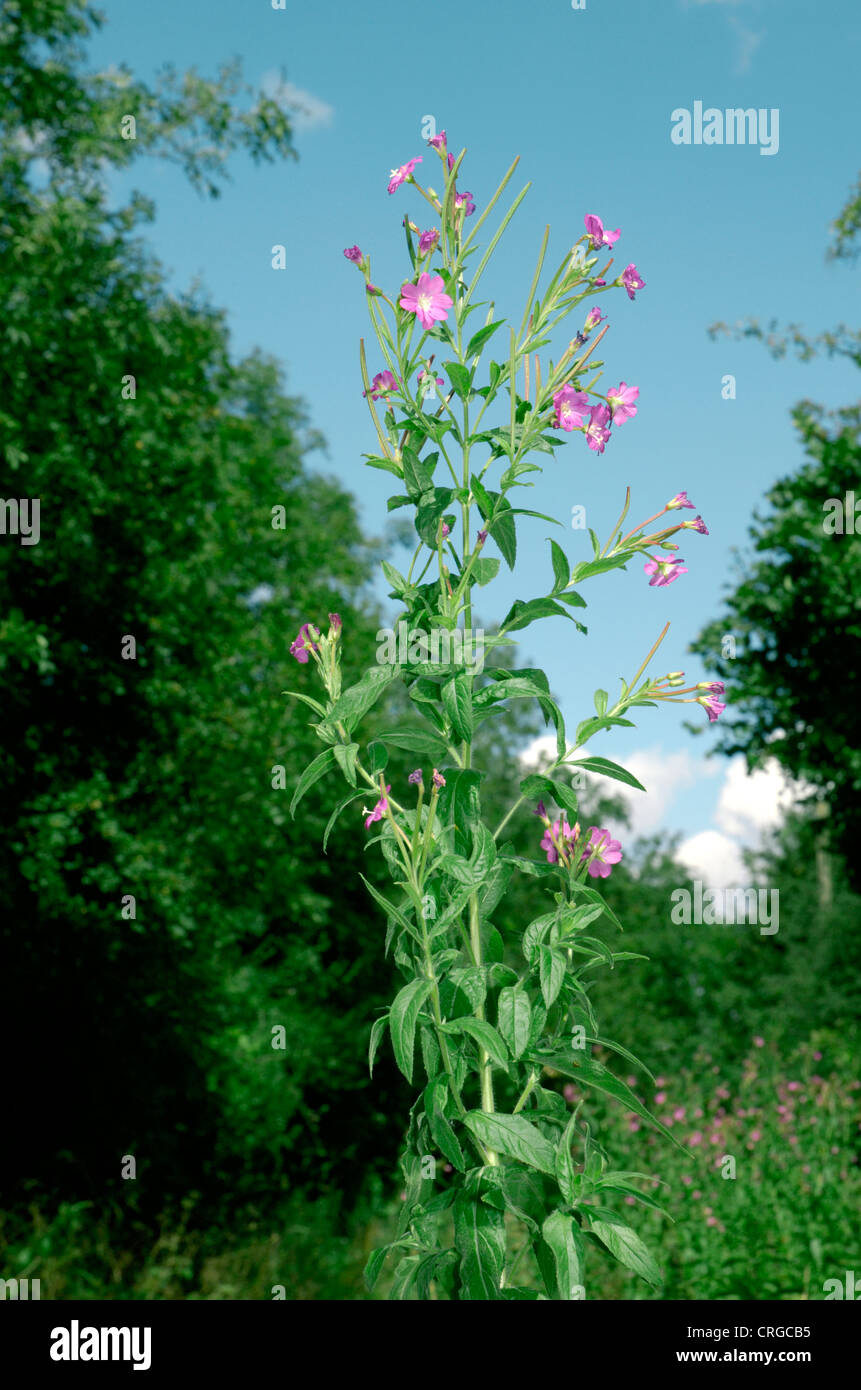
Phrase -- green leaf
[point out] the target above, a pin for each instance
(484, 569)
(522, 1190)
(565, 1164)
(441, 1131)
(419, 741)
(395, 578)
(514, 1019)
(560, 1257)
(313, 772)
(346, 755)
(470, 980)
(591, 1073)
(377, 461)
(459, 377)
(377, 756)
(561, 567)
(501, 525)
(456, 867)
(479, 1237)
(405, 1276)
(484, 1034)
(459, 804)
(402, 1022)
(601, 698)
(359, 698)
(628, 1249)
(390, 909)
(478, 340)
(605, 768)
(306, 700)
(535, 933)
(418, 473)
(588, 568)
(377, 1029)
(552, 966)
(537, 787)
(521, 614)
(342, 804)
(457, 703)
(514, 1136)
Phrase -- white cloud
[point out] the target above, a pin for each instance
(712, 857)
(747, 42)
(751, 803)
(307, 111)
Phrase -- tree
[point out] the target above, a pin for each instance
(794, 682)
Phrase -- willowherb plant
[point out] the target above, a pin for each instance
(488, 1032)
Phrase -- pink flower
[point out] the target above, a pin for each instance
(382, 382)
(559, 836)
(481, 537)
(377, 813)
(680, 500)
(445, 530)
(568, 407)
(717, 688)
(687, 1179)
(755, 1136)
(663, 572)
(757, 1042)
(438, 779)
(596, 431)
(696, 1196)
(593, 318)
(372, 289)
(304, 643)
(427, 300)
(631, 280)
(602, 851)
(660, 1098)
(438, 142)
(570, 1093)
(794, 1086)
(335, 623)
(679, 1113)
(428, 240)
(415, 777)
(465, 199)
(621, 402)
(353, 254)
(695, 1139)
(711, 1221)
(597, 235)
(399, 176)
(712, 706)
(696, 525)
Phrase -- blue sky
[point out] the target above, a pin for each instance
(718, 232)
